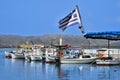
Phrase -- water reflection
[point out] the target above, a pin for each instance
(99, 72)
(43, 71)
(62, 73)
(13, 69)
(108, 73)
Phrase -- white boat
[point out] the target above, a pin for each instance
(50, 55)
(35, 57)
(36, 54)
(73, 56)
(82, 59)
(8, 54)
(108, 61)
(17, 56)
(50, 59)
(77, 56)
(14, 54)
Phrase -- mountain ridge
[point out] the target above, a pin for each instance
(47, 39)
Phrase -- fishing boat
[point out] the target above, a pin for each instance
(50, 59)
(81, 59)
(17, 56)
(35, 54)
(108, 61)
(35, 57)
(8, 54)
(50, 55)
(72, 56)
(66, 54)
(105, 57)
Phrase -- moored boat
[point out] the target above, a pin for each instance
(72, 56)
(8, 54)
(35, 57)
(17, 56)
(35, 54)
(106, 59)
(82, 59)
(50, 55)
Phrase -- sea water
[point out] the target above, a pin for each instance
(19, 69)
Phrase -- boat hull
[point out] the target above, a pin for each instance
(107, 62)
(50, 59)
(8, 54)
(36, 58)
(77, 61)
(17, 56)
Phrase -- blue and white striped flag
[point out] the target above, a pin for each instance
(71, 19)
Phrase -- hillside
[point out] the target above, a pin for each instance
(15, 40)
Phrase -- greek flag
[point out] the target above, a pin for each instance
(71, 19)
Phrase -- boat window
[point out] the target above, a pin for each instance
(86, 56)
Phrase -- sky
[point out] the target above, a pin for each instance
(39, 17)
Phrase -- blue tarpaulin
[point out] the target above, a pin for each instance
(111, 35)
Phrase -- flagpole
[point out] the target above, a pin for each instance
(81, 26)
(79, 14)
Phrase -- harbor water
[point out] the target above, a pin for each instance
(19, 69)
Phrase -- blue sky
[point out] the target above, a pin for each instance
(39, 17)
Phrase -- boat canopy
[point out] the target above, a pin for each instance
(111, 35)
